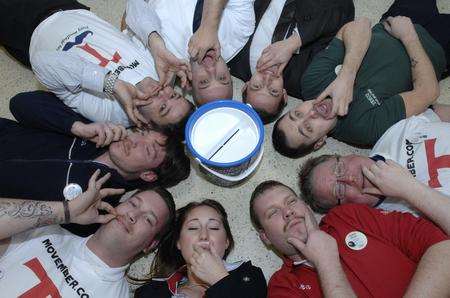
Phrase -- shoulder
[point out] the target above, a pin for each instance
(154, 288)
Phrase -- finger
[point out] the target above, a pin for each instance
(309, 222)
(323, 95)
(140, 117)
(372, 191)
(129, 111)
(140, 95)
(169, 78)
(194, 53)
(198, 248)
(183, 78)
(369, 175)
(106, 207)
(109, 135)
(101, 133)
(117, 132)
(107, 192)
(201, 54)
(93, 179)
(141, 103)
(298, 244)
(124, 132)
(281, 69)
(102, 180)
(105, 218)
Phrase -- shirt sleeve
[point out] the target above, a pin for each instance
(412, 235)
(142, 19)
(322, 70)
(79, 84)
(246, 281)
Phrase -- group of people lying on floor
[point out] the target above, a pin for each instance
(111, 121)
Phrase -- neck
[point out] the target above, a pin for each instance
(194, 280)
(111, 255)
(106, 160)
(296, 257)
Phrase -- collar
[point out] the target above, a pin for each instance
(180, 276)
(291, 265)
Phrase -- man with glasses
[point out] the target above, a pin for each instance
(419, 144)
(348, 253)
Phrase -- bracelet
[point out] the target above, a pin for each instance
(110, 81)
(66, 211)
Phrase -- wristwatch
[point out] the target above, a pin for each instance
(110, 81)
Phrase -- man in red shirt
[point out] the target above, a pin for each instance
(355, 251)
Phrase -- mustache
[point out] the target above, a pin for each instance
(289, 223)
(78, 40)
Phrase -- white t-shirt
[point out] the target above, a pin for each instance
(422, 145)
(70, 53)
(52, 262)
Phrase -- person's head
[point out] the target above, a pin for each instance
(168, 109)
(330, 180)
(203, 224)
(141, 222)
(211, 79)
(266, 94)
(151, 156)
(277, 213)
(303, 128)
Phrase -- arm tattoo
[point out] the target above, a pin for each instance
(29, 210)
(413, 62)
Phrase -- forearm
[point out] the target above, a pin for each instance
(212, 12)
(17, 216)
(432, 274)
(432, 203)
(423, 76)
(356, 36)
(333, 281)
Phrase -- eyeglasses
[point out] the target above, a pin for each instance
(339, 187)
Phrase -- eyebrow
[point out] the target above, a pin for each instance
(210, 219)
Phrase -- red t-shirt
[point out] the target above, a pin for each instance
(382, 268)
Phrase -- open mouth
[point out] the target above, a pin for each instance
(209, 58)
(323, 108)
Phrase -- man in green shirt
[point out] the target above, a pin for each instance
(387, 73)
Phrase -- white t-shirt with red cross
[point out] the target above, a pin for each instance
(422, 145)
(71, 52)
(52, 262)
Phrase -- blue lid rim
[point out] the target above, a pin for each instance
(223, 104)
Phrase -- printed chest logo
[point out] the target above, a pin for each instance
(305, 287)
(372, 98)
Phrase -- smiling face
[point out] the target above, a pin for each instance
(265, 90)
(211, 79)
(139, 152)
(139, 220)
(307, 123)
(167, 107)
(347, 186)
(281, 214)
(203, 226)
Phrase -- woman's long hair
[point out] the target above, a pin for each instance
(168, 258)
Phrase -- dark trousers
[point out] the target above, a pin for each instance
(19, 18)
(426, 14)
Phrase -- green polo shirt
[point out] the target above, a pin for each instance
(384, 73)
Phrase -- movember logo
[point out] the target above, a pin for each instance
(78, 40)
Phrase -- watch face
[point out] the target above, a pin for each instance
(71, 191)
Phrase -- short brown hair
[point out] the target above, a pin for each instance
(280, 143)
(259, 190)
(305, 182)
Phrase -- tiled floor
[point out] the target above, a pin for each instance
(14, 79)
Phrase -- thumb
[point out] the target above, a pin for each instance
(298, 244)
(372, 191)
(140, 95)
(323, 95)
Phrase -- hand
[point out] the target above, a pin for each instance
(341, 92)
(278, 53)
(400, 27)
(84, 208)
(319, 248)
(167, 64)
(207, 265)
(130, 98)
(390, 178)
(203, 40)
(102, 134)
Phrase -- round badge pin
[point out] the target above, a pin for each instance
(71, 191)
(356, 240)
(337, 69)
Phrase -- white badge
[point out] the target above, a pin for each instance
(71, 191)
(337, 69)
(356, 240)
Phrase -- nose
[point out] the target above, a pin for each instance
(204, 234)
(131, 218)
(288, 212)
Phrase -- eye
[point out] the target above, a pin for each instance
(203, 82)
(162, 107)
(133, 204)
(298, 114)
(292, 201)
(275, 92)
(272, 213)
(214, 228)
(222, 78)
(256, 86)
(173, 95)
(150, 222)
(192, 228)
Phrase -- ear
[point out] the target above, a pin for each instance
(148, 176)
(151, 247)
(320, 143)
(263, 237)
(178, 245)
(285, 97)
